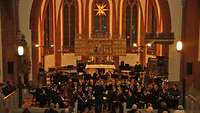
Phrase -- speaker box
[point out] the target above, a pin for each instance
(189, 68)
(10, 67)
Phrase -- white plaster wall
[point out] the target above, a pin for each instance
(1, 56)
(174, 56)
(24, 21)
(69, 59)
(49, 62)
(130, 59)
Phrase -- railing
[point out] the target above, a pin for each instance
(159, 37)
(9, 102)
(192, 104)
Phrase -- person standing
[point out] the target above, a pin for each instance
(137, 70)
(98, 89)
(41, 74)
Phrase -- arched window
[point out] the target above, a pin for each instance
(100, 17)
(131, 24)
(69, 19)
(46, 28)
(153, 22)
(152, 26)
(48, 38)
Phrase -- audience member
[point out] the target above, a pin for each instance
(134, 109)
(66, 110)
(163, 108)
(86, 110)
(51, 109)
(149, 109)
(26, 109)
(180, 109)
(92, 109)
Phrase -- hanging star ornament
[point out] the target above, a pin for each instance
(101, 9)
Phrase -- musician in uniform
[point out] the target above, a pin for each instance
(98, 89)
(137, 70)
(89, 96)
(81, 99)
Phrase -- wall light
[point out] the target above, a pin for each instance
(179, 46)
(52, 45)
(148, 44)
(37, 45)
(134, 45)
(20, 50)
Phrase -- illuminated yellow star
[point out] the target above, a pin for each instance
(101, 9)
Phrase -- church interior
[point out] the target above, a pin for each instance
(110, 47)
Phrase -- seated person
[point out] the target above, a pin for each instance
(134, 109)
(180, 109)
(51, 109)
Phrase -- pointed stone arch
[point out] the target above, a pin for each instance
(34, 15)
(110, 17)
(165, 15)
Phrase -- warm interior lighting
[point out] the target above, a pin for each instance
(37, 45)
(20, 50)
(179, 46)
(134, 45)
(148, 44)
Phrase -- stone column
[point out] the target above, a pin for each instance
(1, 56)
(174, 56)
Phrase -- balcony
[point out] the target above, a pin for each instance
(162, 38)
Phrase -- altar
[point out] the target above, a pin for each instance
(92, 68)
